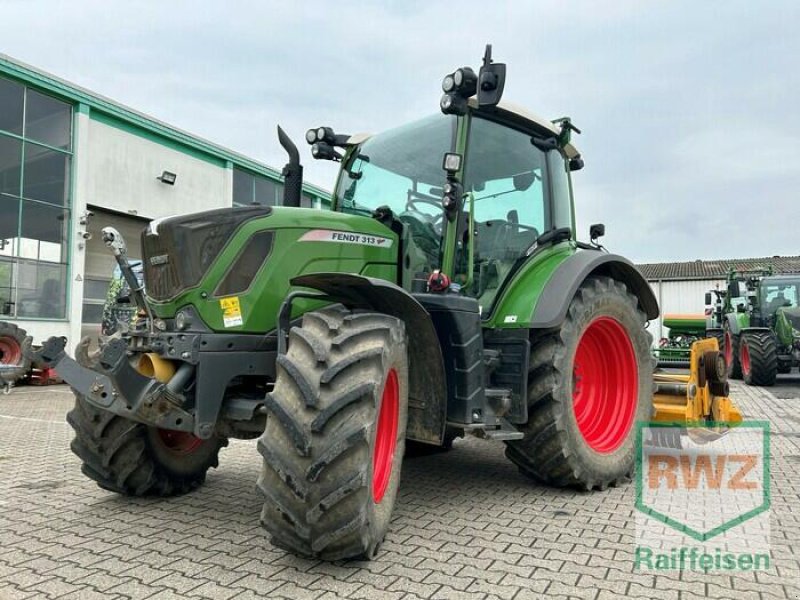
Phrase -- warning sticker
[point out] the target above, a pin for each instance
(346, 237)
(231, 311)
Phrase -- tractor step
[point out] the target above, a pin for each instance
(506, 431)
(502, 431)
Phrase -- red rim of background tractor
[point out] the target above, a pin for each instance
(744, 357)
(385, 437)
(728, 348)
(605, 385)
(179, 442)
(10, 351)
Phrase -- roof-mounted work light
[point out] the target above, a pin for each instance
(460, 85)
(323, 141)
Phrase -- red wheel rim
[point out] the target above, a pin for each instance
(179, 442)
(385, 437)
(605, 385)
(744, 357)
(728, 349)
(10, 352)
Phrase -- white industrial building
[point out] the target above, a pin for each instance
(72, 162)
(680, 287)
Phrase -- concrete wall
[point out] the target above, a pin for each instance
(122, 172)
(680, 297)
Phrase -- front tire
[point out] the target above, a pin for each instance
(335, 435)
(588, 383)
(133, 459)
(758, 356)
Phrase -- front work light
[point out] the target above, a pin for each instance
(452, 104)
(451, 163)
(324, 151)
(466, 82)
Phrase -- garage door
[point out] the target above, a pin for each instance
(100, 263)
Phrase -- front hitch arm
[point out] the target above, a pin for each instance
(108, 382)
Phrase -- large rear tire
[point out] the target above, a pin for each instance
(758, 356)
(136, 460)
(335, 435)
(588, 383)
(730, 349)
(14, 346)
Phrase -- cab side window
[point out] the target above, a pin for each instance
(507, 176)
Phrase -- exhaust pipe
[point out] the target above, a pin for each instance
(292, 172)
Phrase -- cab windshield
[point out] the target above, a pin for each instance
(402, 169)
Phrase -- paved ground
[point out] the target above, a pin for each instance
(468, 525)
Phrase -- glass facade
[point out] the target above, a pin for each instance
(35, 171)
(250, 189)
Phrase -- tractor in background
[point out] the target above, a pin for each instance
(757, 320)
(445, 293)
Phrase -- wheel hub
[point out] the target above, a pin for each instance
(605, 385)
(10, 351)
(385, 436)
(179, 442)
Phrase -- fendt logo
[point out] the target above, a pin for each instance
(702, 496)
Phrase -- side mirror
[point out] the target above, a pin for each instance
(708, 298)
(491, 80)
(596, 231)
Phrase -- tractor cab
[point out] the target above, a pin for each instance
(473, 192)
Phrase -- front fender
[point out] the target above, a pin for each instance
(427, 402)
(736, 322)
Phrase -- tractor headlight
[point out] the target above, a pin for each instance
(320, 134)
(311, 136)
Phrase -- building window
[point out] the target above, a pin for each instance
(35, 203)
(250, 189)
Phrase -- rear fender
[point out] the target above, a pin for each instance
(427, 400)
(550, 309)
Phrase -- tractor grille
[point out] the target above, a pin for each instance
(178, 251)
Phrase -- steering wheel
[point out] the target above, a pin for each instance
(435, 221)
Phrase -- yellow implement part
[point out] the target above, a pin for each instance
(688, 399)
(152, 365)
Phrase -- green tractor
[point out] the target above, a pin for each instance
(757, 321)
(444, 293)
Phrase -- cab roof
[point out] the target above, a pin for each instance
(508, 109)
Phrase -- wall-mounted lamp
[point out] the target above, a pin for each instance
(167, 177)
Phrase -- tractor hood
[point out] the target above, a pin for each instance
(245, 257)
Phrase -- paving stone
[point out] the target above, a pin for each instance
(467, 525)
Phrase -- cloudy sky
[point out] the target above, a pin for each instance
(689, 110)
